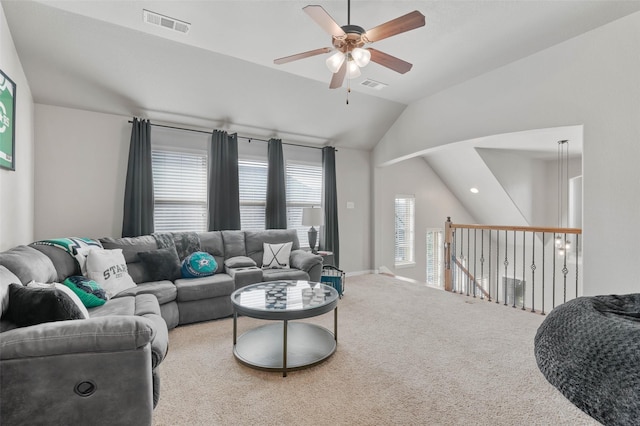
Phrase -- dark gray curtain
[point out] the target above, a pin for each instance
(138, 191)
(276, 211)
(224, 187)
(329, 237)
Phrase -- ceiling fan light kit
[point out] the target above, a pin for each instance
(349, 43)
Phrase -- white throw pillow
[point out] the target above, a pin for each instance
(109, 269)
(67, 291)
(276, 256)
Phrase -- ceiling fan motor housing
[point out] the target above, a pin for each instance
(354, 37)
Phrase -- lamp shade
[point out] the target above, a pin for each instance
(353, 70)
(312, 216)
(361, 56)
(334, 62)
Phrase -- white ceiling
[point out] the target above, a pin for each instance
(100, 56)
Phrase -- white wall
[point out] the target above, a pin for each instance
(434, 202)
(16, 187)
(590, 80)
(81, 167)
(353, 176)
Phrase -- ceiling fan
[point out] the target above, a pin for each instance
(349, 40)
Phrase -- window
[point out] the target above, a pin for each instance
(252, 175)
(404, 229)
(304, 189)
(435, 252)
(180, 191)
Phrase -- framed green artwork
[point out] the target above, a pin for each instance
(7, 122)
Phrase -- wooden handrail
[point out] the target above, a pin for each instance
(519, 228)
(471, 277)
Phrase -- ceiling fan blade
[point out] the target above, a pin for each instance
(408, 22)
(391, 62)
(302, 55)
(322, 18)
(338, 78)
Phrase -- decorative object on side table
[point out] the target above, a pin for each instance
(312, 216)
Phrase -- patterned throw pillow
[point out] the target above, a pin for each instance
(109, 269)
(276, 256)
(89, 291)
(198, 264)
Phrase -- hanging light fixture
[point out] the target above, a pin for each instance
(562, 244)
(352, 68)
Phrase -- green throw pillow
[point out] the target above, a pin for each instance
(89, 291)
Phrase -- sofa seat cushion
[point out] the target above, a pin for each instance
(204, 288)
(165, 291)
(284, 274)
(125, 305)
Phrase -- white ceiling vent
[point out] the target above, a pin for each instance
(154, 18)
(372, 84)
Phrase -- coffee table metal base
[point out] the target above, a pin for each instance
(272, 348)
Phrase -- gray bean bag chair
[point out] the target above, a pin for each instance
(589, 348)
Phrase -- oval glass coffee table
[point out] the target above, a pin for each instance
(284, 346)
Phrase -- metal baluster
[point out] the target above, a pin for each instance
(489, 279)
(481, 262)
(514, 269)
(577, 241)
(454, 267)
(497, 266)
(543, 270)
(565, 271)
(506, 264)
(468, 259)
(553, 295)
(461, 256)
(475, 246)
(533, 272)
(524, 282)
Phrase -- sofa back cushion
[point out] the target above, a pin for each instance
(211, 242)
(66, 265)
(29, 264)
(254, 241)
(233, 243)
(131, 246)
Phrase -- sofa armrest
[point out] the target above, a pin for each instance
(304, 260)
(102, 334)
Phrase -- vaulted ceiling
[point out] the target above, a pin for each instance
(101, 56)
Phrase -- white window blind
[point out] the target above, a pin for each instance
(304, 189)
(180, 191)
(404, 229)
(303, 186)
(252, 175)
(435, 252)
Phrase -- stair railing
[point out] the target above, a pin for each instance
(524, 267)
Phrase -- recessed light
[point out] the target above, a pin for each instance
(474, 190)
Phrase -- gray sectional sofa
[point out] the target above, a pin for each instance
(77, 371)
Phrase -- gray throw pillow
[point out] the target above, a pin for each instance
(32, 305)
(162, 264)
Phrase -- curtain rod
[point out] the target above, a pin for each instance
(237, 135)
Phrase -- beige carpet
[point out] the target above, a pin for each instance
(407, 355)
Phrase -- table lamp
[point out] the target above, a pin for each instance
(312, 217)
